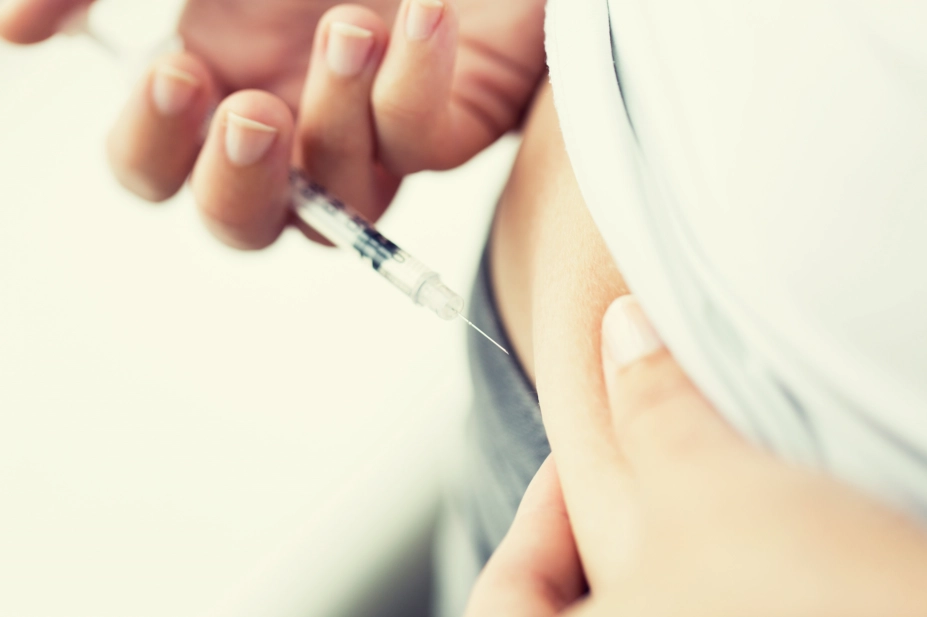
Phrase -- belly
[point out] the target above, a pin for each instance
(545, 249)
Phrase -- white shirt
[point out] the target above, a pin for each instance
(759, 171)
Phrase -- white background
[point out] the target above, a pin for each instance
(175, 416)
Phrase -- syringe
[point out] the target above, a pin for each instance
(347, 229)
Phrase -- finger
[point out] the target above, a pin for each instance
(336, 137)
(412, 93)
(241, 177)
(536, 570)
(439, 99)
(659, 417)
(156, 138)
(32, 21)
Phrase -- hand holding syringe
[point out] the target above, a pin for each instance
(347, 229)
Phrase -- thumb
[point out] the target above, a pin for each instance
(657, 413)
(536, 570)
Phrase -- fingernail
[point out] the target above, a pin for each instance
(627, 332)
(423, 18)
(172, 89)
(247, 141)
(348, 48)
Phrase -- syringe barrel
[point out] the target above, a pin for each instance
(347, 229)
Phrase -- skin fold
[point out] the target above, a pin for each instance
(650, 490)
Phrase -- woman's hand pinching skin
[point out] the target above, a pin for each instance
(315, 84)
(697, 523)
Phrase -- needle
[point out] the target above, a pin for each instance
(484, 334)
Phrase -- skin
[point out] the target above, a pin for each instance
(417, 104)
(613, 516)
(547, 252)
(708, 525)
(553, 280)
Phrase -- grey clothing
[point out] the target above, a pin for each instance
(505, 445)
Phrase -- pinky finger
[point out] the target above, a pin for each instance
(32, 21)
(156, 138)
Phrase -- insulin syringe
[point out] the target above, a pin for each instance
(347, 229)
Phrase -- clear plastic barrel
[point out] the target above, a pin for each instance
(347, 229)
(423, 285)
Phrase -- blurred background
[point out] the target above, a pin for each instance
(187, 430)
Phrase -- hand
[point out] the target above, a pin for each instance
(375, 107)
(701, 524)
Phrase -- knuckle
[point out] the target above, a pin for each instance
(405, 144)
(398, 113)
